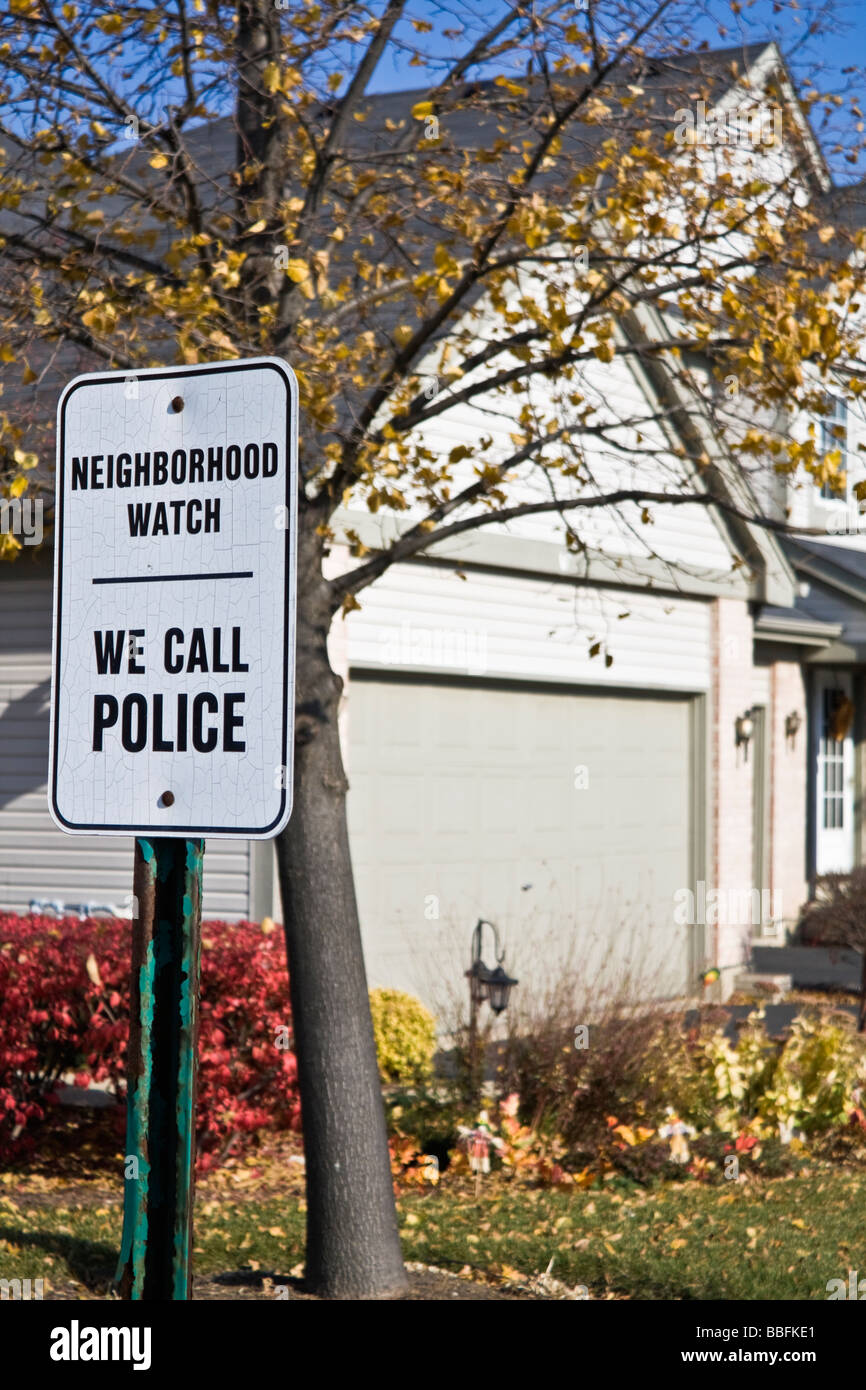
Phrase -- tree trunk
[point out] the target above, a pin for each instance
(353, 1248)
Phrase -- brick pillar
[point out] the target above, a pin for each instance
(788, 792)
(728, 940)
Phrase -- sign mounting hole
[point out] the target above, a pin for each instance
(167, 799)
(176, 404)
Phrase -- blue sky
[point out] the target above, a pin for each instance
(820, 38)
(820, 41)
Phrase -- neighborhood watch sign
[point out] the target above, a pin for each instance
(174, 601)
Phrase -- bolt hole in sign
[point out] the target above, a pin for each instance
(174, 601)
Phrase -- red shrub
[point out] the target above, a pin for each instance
(64, 1008)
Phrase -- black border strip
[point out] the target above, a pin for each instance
(171, 578)
(175, 831)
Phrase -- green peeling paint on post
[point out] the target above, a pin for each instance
(187, 1005)
(160, 1148)
(136, 1184)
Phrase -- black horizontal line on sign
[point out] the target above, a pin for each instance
(168, 578)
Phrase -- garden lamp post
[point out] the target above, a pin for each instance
(493, 985)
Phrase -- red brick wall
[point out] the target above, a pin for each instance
(788, 790)
(730, 862)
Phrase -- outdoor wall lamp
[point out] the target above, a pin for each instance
(744, 728)
(792, 725)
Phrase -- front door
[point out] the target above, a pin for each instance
(834, 774)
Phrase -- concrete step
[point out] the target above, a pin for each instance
(810, 967)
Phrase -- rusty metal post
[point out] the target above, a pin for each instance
(156, 1248)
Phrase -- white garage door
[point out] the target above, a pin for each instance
(564, 817)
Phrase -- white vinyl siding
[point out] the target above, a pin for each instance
(690, 538)
(425, 617)
(685, 536)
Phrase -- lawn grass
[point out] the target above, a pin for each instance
(780, 1239)
(774, 1239)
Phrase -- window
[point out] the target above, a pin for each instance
(834, 435)
(832, 758)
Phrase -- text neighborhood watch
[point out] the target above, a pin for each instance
(180, 468)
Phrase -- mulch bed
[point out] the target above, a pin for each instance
(424, 1286)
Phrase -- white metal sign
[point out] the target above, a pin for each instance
(174, 601)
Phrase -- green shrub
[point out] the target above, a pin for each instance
(405, 1035)
(820, 1065)
(803, 1082)
(719, 1083)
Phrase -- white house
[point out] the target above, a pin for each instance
(666, 807)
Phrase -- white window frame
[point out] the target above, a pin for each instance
(836, 416)
(833, 782)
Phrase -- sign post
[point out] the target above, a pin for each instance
(155, 1257)
(172, 705)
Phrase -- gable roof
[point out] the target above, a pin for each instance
(835, 594)
(773, 576)
(842, 567)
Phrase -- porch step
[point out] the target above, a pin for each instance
(811, 967)
(755, 982)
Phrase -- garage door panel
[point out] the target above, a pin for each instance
(503, 810)
(401, 806)
(457, 887)
(467, 792)
(455, 805)
(550, 802)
